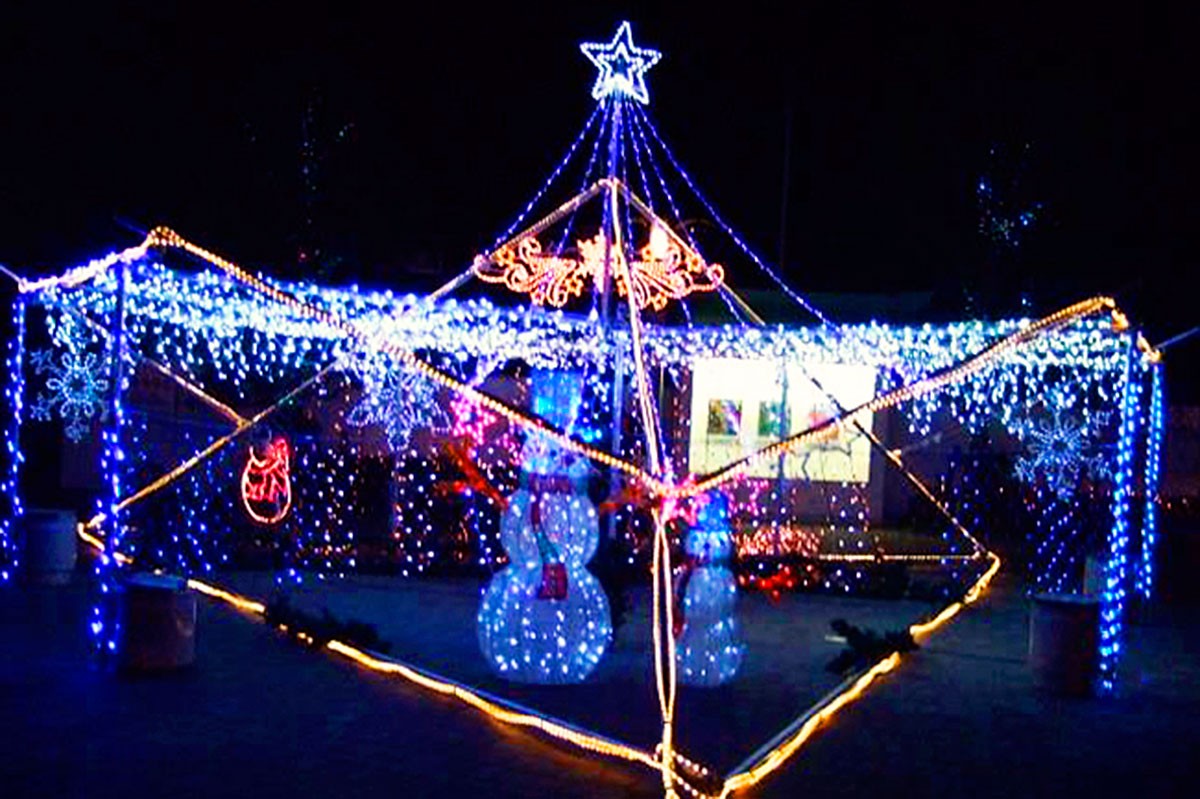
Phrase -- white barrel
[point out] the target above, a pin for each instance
(1064, 643)
(47, 546)
(156, 617)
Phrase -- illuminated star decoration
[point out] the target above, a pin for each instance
(622, 66)
(76, 388)
(396, 399)
(1061, 448)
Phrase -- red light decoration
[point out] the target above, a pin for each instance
(267, 483)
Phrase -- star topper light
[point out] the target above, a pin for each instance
(622, 66)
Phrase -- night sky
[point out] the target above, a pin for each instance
(434, 125)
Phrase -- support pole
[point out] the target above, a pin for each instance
(781, 476)
(664, 642)
(606, 311)
(618, 420)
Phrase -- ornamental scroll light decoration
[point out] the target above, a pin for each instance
(666, 268)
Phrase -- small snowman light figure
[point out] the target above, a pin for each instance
(707, 646)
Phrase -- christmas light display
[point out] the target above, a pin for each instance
(74, 387)
(622, 66)
(1154, 433)
(398, 400)
(10, 488)
(104, 627)
(319, 537)
(471, 459)
(267, 482)
(1061, 450)
(708, 649)
(544, 618)
(665, 271)
(1113, 596)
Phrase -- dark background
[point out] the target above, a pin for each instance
(432, 125)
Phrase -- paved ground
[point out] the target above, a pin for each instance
(432, 624)
(962, 717)
(260, 717)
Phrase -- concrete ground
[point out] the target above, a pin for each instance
(432, 624)
(963, 717)
(262, 717)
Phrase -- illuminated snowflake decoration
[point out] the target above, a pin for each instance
(1061, 448)
(396, 399)
(622, 66)
(75, 389)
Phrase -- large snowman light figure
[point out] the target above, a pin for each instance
(545, 618)
(708, 649)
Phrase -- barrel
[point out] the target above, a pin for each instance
(46, 543)
(156, 617)
(1064, 643)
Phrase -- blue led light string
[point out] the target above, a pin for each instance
(649, 157)
(188, 528)
(587, 180)
(1112, 600)
(647, 194)
(1154, 434)
(724, 226)
(628, 243)
(503, 237)
(324, 480)
(607, 223)
(14, 394)
(623, 160)
(723, 290)
(104, 625)
(1055, 528)
(172, 316)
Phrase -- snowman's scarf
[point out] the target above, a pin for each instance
(554, 572)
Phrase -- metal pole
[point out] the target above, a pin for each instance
(606, 311)
(780, 476)
(618, 406)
